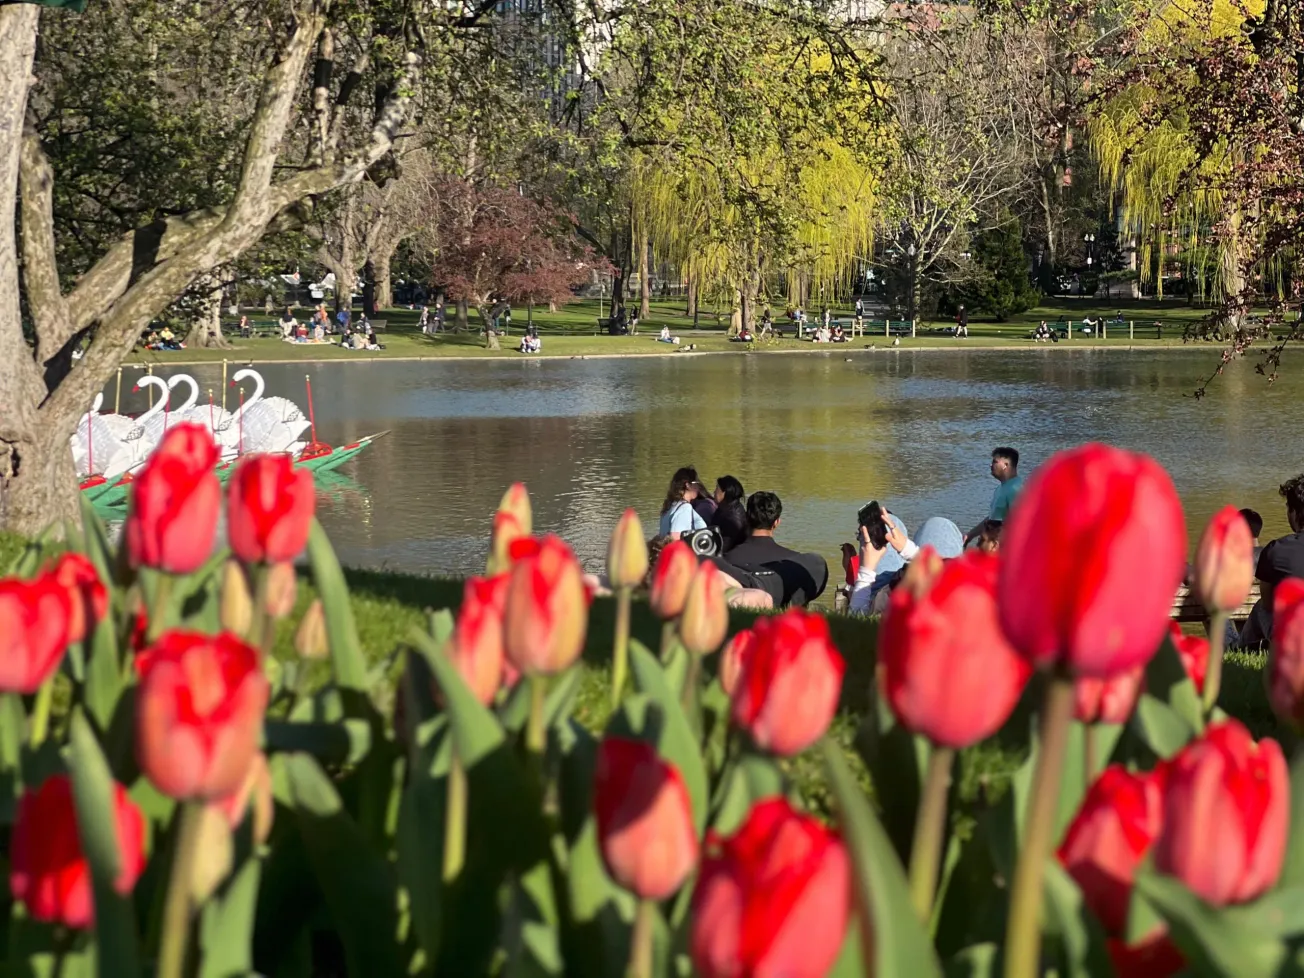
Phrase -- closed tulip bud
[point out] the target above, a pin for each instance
(476, 647)
(546, 614)
(269, 509)
(1090, 560)
(281, 590)
(1224, 561)
(48, 871)
(87, 598)
(1193, 650)
(790, 683)
(33, 632)
(1107, 700)
(253, 798)
(199, 713)
(705, 621)
(627, 553)
(175, 501)
(1110, 837)
(310, 638)
(516, 503)
(733, 660)
(1286, 664)
(236, 611)
(507, 530)
(774, 899)
(671, 580)
(1224, 783)
(941, 640)
(644, 819)
(214, 852)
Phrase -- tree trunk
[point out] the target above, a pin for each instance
(37, 482)
(384, 286)
(206, 329)
(368, 289)
(691, 308)
(461, 320)
(345, 280)
(644, 279)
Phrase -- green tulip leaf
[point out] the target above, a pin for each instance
(1212, 942)
(476, 731)
(421, 858)
(13, 723)
(1160, 727)
(359, 886)
(677, 742)
(93, 789)
(1167, 681)
(977, 961)
(333, 744)
(341, 630)
(1080, 938)
(226, 924)
(899, 946)
(896, 760)
(96, 540)
(105, 679)
(1292, 871)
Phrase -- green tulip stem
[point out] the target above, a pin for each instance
(262, 627)
(41, 713)
(1023, 929)
(1213, 674)
(669, 632)
(158, 614)
(930, 827)
(536, 731)
(176, 912)
(640, 945)
(620, 647)
(455, 820)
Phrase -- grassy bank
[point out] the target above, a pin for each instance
(572, 332)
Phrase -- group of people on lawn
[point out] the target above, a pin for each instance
(359, 335)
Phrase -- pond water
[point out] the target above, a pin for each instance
(912, 429)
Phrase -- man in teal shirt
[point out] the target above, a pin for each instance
(1005, 470)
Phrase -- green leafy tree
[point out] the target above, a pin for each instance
(1000, 285)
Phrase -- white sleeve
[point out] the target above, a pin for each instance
(910, 552)
(861, 591)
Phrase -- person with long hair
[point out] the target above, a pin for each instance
(730, 515)
(678, 516)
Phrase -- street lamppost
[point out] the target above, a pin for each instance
(1090, 239)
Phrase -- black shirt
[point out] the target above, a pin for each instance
(1280, 559)
(731, 520)
(804, 576)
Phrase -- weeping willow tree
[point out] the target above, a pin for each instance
(752, 136)
(1196, 140)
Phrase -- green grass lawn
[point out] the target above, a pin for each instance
(572, 332)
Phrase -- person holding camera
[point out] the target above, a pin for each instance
(678, 515)
(730, 516)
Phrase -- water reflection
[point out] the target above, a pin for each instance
(912, 429)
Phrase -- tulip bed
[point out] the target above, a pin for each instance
(215, 769)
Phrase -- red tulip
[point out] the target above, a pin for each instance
(773, 900)
(1224, 561)
(734, 659)
(1226, 815)
(174, 503)
(1286, 664)
(671, 579)
(645, 819)
(34, 621)
(199, 713)
(1154, 957)
(507, 529)
(269, 509)
(48, 871)
(1107, 700)
(1090, 560)
(1193, 650)
(705, 619)
(939, 641)
(546, 614)
(88, 601)
(790, 685)
(1108, 839)
(476, 648)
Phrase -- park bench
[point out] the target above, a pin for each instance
(1188, 608)
(379, 324)
(888, 327)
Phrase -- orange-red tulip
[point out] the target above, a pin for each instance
(671, 579)
(476, 647)
(1107, 700)
(734, 658)
(88, 599)
(34, 617)
(1090, 560)
(705, 619)
(1193, 650)
(644, 818)
(174, 503)
(546, 615)
(269, 509)
(1224, 561)
(1286, 664)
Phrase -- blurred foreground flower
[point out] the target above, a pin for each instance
(269, 509)
(175, 501)
(34, 618)
(546, 611)
(88, 600)
(1224, 561)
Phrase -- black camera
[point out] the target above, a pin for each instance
(706, 542)
(870, 516)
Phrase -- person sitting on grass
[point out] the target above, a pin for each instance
(678, 514)
(1042, 332)
(838, 335)
(288, 323)
(803, 575)
(665, 336)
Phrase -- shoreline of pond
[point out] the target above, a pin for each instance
(1083, 345)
